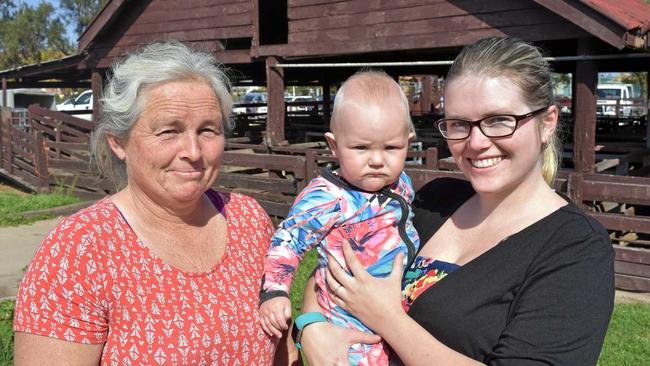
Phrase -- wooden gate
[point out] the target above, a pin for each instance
(44, 149)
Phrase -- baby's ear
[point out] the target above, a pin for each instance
(331, 141)
(411, 137)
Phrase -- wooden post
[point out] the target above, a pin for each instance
(57, 137)
(275, 102)
(311, 165)
(96, 83)
(647, 100)
(425, 93)
(431, 158)
(574, 189)
(10, 143)
(584, 130)
(4, 111)
(327, 101)
(40, 162)
(4, 92)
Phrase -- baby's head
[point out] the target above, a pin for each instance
(371, 130)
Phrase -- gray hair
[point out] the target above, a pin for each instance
(373, 87)
(524, 65)
(125, 94)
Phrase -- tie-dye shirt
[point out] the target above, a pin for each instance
(329, 211)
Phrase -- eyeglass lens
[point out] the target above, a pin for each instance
(495, 126)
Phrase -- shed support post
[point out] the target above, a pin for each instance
(425, 95)
(647, 116)
(584, 106)
(275, 102)
(327, 101)
(4, 92)
(96, 84)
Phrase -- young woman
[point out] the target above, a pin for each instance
(510, 272)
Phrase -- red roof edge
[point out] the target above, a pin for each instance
(633, 15)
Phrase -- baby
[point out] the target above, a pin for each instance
(366, 202)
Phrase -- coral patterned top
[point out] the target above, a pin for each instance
(93, 281)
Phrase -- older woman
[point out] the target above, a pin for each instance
(165, 271)
(511, 272)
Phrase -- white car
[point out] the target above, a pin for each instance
(82, 102)
(299, 98)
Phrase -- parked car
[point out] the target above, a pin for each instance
(251, 98)
(299, 98)
(611, 95)
(82, 102)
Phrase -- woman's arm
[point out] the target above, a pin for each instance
(31, 349)
(376, 302)
(324, 343)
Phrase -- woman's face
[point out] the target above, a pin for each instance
(497, 165)
(174, 150)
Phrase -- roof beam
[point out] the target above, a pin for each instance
(590, 20)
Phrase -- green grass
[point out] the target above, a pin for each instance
(12, 204)
(628, 337)
(306, 267)
(6, 334)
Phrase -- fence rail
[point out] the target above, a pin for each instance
(52, 149)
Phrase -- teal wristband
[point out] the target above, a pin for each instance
(304, 320)
(307, 318)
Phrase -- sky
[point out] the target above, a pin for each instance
(71, 34)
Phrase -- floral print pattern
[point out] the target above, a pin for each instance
(93, 281)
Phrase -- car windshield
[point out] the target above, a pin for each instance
(83, 98)
(253, 98)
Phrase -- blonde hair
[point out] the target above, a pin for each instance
(524, 65)
(372, 87)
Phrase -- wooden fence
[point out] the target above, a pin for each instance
(52, 150)
(47, 150)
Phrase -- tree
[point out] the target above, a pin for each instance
(30, 33)
(80, 12)
(638, 79)
(6, 9)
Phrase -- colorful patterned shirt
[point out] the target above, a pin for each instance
(327, 212)
(423, 273)
(93, 281)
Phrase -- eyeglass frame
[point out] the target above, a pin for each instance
(518, 118)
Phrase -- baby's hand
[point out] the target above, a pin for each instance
(274, 314)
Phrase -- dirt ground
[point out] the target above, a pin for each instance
(17, 247)
(8, 188)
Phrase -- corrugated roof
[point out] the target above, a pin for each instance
(631, 14)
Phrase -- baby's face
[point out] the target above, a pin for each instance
(371, 142)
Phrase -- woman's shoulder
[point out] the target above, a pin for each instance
(570, 223)
(88, 217)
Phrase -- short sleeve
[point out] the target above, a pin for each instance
(61, 295)
(562, 310)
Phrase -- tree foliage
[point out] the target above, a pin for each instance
(30, 34)
(80, 12)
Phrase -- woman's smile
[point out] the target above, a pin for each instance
(486, 162)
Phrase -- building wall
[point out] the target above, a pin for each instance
(331, 27)
(224, 27)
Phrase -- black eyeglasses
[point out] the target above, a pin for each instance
(502, 125)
